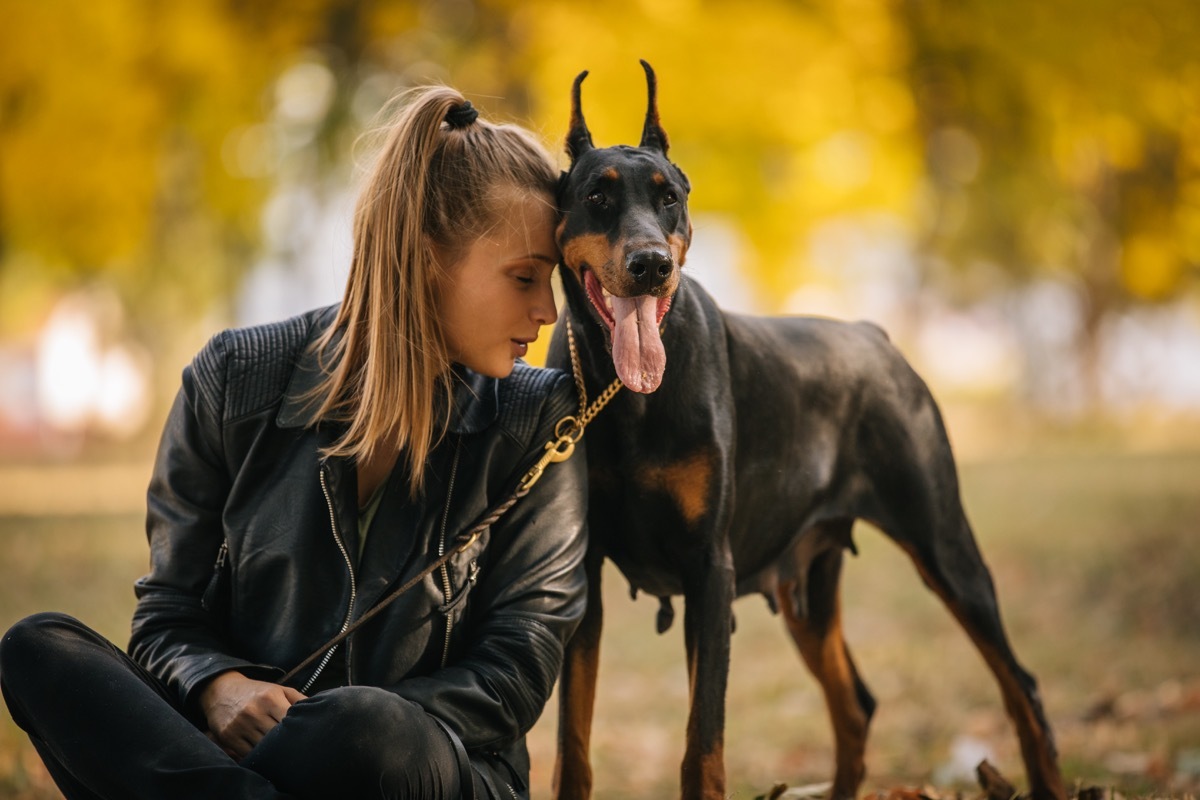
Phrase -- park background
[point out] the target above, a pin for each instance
(1011, 188)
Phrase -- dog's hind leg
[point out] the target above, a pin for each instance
(577, 694)
(907, 462)
(950, 564)
(814, 621)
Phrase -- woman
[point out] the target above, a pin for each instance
(307, 469)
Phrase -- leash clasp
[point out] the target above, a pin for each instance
(569, 429)
(567, 432)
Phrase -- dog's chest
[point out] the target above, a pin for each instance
(647, 514)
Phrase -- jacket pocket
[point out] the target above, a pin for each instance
(216, 599)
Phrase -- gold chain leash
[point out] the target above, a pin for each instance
(569, 429)
(577, 370)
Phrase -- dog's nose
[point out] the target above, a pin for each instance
(649, 268)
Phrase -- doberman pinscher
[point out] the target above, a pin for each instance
(737, 461)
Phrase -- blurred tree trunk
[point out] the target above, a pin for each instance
(1100, 278)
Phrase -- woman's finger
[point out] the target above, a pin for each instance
(276, 705)
(293, 695)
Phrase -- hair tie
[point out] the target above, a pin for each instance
(462, 116)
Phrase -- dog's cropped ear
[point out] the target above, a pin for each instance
(687, 185)
(653, 135)
(579, 138)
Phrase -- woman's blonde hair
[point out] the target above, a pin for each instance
(435, 187)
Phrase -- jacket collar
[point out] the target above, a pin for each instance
(475, 402)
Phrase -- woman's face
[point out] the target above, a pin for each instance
(498, 296)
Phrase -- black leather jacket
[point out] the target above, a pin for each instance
(254, 542)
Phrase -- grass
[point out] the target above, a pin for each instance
(1095, 556)
(83, 565)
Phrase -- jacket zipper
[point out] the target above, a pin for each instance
(337, 538)
(446, 588)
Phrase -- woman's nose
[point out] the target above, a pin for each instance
(544, 312)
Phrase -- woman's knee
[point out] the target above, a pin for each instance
(31, 645)
(371, 722)
(365, 737)
(31, 654)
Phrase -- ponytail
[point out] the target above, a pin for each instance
(431, 192)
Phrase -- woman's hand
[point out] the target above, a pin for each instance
(240, 710)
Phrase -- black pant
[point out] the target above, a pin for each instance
(106, 728)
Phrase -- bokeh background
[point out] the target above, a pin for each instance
(1011, 188)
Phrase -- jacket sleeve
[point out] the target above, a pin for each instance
(173, 635)
(496, 692)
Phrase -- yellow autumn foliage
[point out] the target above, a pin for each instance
(139, 139)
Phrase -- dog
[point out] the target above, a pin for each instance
(736, 461)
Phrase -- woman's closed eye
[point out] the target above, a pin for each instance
(528, 272)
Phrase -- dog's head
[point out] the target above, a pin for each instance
(624, 235)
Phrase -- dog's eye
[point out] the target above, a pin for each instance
(597, 198)
(670, 199)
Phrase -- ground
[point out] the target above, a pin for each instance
(1095, 557)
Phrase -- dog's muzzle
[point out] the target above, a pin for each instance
(649, 268)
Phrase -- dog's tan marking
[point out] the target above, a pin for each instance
(687, 481)
(1037, 745)
(703, 770)
(658, 178)
(611, 173)
(577, 697)
(1037, 748)
(590, 249)
(704, 776)
(668, 288)
(679, 247)
(611, 270)
(829, 662)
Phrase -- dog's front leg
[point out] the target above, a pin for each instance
(708, 624)
(577, 694)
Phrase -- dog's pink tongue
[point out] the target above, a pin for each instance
(638, 351)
